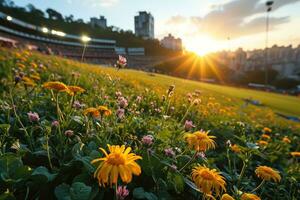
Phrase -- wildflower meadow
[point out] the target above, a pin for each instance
(73, 131)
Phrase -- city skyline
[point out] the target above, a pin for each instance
(204, 26)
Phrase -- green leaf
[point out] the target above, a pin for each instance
(4, 128)
(62, 192)
(9, 164)
(191, 184)
(7, 196)
(79, 191)
(43, 171)
(178, 183)
(139, 193)
(150, 196)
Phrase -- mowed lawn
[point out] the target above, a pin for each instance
(286, 104)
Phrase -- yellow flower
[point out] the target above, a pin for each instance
(210, 105)
(56, 85)
(265, 136)
(267, 130)
(286, 140)
(20, 65)
(226, 197)
(248, 196)
(295, 154)
(33, 65)
(200, 140)
(35, 77)
(267, 173)
(262, 143)
(118, 162)
(28, 81)
(76, 89)
(235, 148)
(208, 180)
(104, 110)
(92, 111)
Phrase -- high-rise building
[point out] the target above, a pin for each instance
(170, 42)
(101, 22)
(144, 25)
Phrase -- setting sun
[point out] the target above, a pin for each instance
(202, 44)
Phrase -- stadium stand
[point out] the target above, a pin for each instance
(16, 33)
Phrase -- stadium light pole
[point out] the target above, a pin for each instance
(269, 9)
(85, 39)
(9, 18)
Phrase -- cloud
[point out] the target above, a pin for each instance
(177, 19)
(107, 3)
(97, 3)
(235, 18)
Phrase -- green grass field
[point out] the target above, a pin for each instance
(182, 135)
(286, 104)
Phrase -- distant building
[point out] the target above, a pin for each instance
(131, 51)
(101, 22)
(285, 60)
(136, 51)
(120, 50)
(171, 42)
(144, 25)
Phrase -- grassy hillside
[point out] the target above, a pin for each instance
(280, 103)
(70, 130)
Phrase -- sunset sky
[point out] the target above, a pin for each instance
(204, 25)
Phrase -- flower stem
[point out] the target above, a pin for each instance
(259, 186)
(241, 174)
(186, 113)
(192, 158)
(116, 190)
(48, 151)
(229, 161)
(19, 120)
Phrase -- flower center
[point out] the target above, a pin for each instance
(116, 159)
(207, 175)
(201, 137)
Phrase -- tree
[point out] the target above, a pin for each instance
(2, 2)
(69, 18)
(79, 21)
(36, 13)
(54, 15)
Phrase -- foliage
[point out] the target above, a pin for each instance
(47, 143)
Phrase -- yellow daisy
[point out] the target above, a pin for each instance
(75, 89)
(208, 180)
(56, 85)
(267, 130)
(248, 196)
(28, 81)
(262, 143)
(267, 173)
(35, 77)
(92, 111)
(286, 140)
(200, 140)
(265, 136)
(226, 197)
(235, 148)
(104, 110)
(295, 154)
(119, 162)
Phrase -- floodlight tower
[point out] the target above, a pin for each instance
(269, 9)
(85, 39)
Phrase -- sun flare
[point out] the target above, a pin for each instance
(202, 45)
